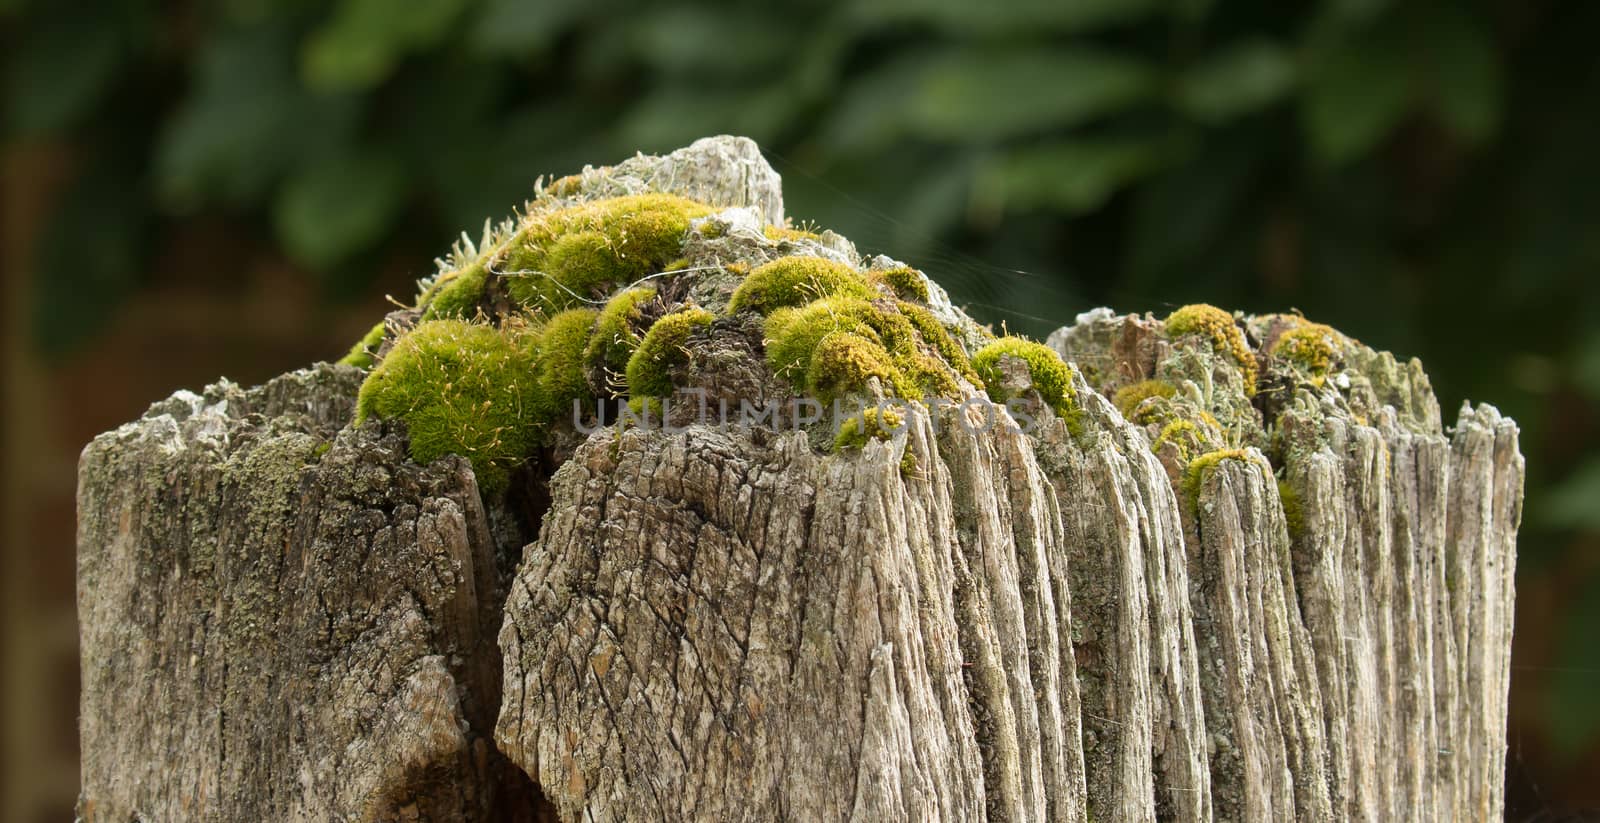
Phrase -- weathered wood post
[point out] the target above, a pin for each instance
(1218, 568)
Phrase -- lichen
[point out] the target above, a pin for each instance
(1217, 327)
(1128, 399)
(1312, 347)
(461, 388)
(1050, 375)
(457, 294)
(876, 422)
(561, 347)
(562, 257)
(796, 281)
(905, 282)
(662, 351)
(362, 354)
(614, 339)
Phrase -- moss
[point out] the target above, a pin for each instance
(795, 281)
(876, 422)
(362, 354)
(905, 282)
(1050, 375)
(561, 347)
(565, 186)
(457, 294)
(1194, 476)
(1312, 347)
(939, 339)
(563, 256)
(781, 234)
(461, 388)
(1293, 513)
(614, 339)
(1128, 398)
(661, 352)
(1189, 439)
(879, 342)
(1216, 326)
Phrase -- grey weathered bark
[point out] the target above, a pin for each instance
(285, 618)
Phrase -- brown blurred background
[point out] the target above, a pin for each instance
(199, 189)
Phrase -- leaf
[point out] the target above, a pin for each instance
(1074, 176)
(330, 212)
(359, 47)
(982, 96)
(1016, 17)
(1239, 79)
(247, 122)
(65, 65)
(1356, 92)
(88, 257)
(517, 28)
(1465, 86)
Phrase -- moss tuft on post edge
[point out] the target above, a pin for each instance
(362, 354)
(564, 256)
(1050, 375)
(615, 340)
(796, 281)
(461, 388)
(662, 351)
(874, 423)
(562, 378)
(907, 283)
(457, 294)
(875, 341)
(1195, 474)
(1312, 347)
(1129, 398)
(1216, 326)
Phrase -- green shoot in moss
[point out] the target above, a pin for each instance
(461, 388)
(1217, 327)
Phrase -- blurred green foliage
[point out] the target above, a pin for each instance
(1423, 175)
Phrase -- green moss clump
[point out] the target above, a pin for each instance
(563, 256)
(876, 341)
(905, 282)
(873, 423)
(1294, 515)
(1189, 439)
(361, 355)
(1051, 376)
(1216, 326)
(780, 234)
(457, 294)
(1128, 398)
(660, 353)
(461, 388)
(561, 347)
(614, 339)
(938, 338)
(796, 281)
(1313, 347)
(1194, 477)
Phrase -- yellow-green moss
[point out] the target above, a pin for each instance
(362, 353)
(1293, 513)
(875, 342)
(1051, 376)
(1194, 476)
(905, 282)
(1313, 347)
(457, 294)
(563, 256)
(779, 234)
(561, 347)
(1189, 439)
(795, 281)
(461, 388)
(873, 423)
(614, 339)
(1216, 326)
(1128, 398)
(938, 338)
(661, 352)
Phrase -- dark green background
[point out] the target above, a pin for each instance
(1422, 175)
